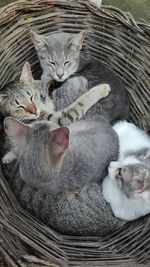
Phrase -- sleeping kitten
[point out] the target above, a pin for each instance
(127, 187)
(26, 100)
(60, 58)
(22, 100)
(57, 158)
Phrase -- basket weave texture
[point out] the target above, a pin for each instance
(114, 37)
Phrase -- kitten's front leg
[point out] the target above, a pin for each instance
(47, 81)
(9, 157)
(79, 107)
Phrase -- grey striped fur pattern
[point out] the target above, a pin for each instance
(79, 107)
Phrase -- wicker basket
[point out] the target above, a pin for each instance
(112, 36)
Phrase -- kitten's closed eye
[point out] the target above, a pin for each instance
(52, 63)
(17, 102)
(31, 98)
(125, 174)
(67, 62)
(28, 93)
(119, 172)
(18, 105)
(21, 107)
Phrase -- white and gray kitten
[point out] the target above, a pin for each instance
(127, 187)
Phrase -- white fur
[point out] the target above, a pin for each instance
(123, 207)
(9, 157)
(130, 139)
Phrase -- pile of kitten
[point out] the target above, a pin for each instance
(75, 132)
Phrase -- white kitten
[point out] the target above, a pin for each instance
(127, 187)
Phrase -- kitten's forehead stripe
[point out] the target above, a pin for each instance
(58, 56)
(58, 48)
(59, 39)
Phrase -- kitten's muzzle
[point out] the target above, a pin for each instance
(60, 75)
(32, 109)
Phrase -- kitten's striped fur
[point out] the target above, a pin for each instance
(78, 108)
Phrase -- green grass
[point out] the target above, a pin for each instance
(5, 2)
(138, 8)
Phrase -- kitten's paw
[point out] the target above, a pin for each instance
(56, 117)
(104, 89)
(9, 157)
(6, 160)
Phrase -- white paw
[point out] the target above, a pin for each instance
(6, 160)
(104, 89)
(9, 157)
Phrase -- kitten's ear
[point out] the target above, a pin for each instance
(16, 132)
(77, 41)
(38, 40)
(59, 142)
(26, 76)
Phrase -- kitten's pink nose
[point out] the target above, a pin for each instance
(60, 75)
(32, 109)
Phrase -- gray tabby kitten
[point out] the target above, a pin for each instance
(127, 187)
(60, 59)
(25, 100)
(55, 158)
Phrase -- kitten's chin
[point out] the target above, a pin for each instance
(57, 79)
(61, 80)
(64, 78)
